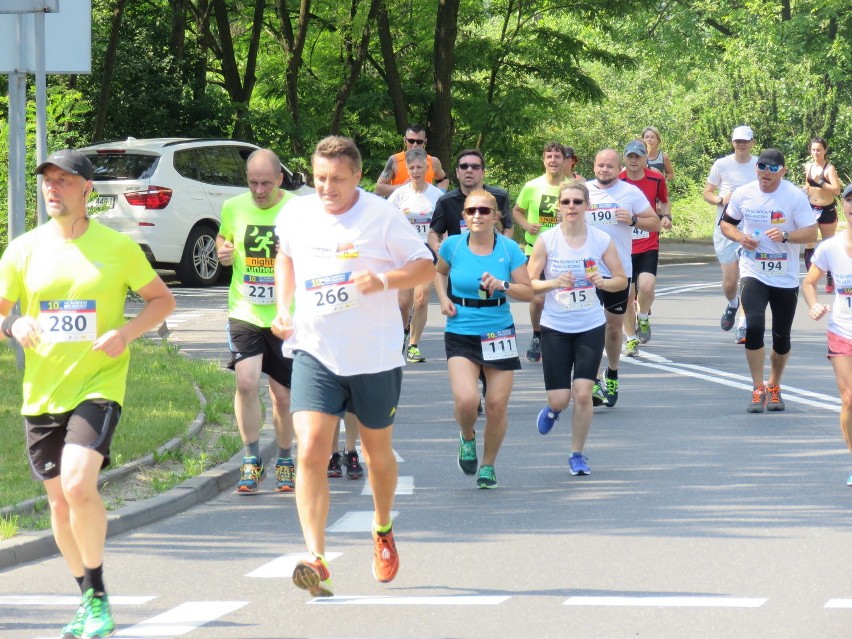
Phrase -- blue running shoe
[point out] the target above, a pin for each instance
(250, 475)
(577, 464)
(546, 419)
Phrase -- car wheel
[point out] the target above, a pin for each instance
(200, 264)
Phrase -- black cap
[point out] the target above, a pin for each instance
(771, 156)
(569, 152)
(69, 160)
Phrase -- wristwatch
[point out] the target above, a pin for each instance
(785, 236)
(505, 285)
(633, 220)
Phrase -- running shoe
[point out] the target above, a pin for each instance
(313, 576)
(728, 317)
(598, 395)
(74, 630)
(741, 335)
(385, 558)
(578, 465)
(773, 399)
(486, 478)
(99, 623)
(285, 475)
(758, 400)
(631, 349)
(354, 470)
(467, 455)
(547, 417)
(414, 355)
(849, 481)
(405, 340)
(829, 283)
(250, 474)
(534, 351)
(334, 469)
(643, 330)
(611, 391)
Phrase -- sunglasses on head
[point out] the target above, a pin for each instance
(574, 201)
(415, 141)
(464, 166)
(482, 210)
(772, 168)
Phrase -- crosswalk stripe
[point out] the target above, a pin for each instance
(356, 521)
(839, 603)
(668, 602)
(282, 567)
(181, 619)
(404, 486)
(439, 600)
(63, 600)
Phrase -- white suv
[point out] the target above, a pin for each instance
(167, 194)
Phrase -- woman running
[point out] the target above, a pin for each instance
(657, 159)
(822, 185)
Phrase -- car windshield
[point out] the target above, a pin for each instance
(122, 166)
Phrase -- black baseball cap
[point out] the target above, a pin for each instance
(771, 156)
(69, 160)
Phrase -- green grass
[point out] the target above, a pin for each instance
(693, 218)
(160, 404)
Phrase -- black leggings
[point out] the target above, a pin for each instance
(756, 296)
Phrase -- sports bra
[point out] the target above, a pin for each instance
(658, 163)
(823, 176)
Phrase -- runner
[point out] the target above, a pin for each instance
(657, 159)
(573, 322)
(645, 252)
(246, 241)
(616, 208)
(535, 211)
(822, 185)
(476, 273)
(343, 255)
(776, 220)
(835, 255)
(416, 200)
(71, 276)
(348, 454)
(725, 176)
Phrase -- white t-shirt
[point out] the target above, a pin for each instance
(831, 255)
(785, 209)
(727, 175)
(575, 309)
(417, 207)
(601, 215)
(349, 333)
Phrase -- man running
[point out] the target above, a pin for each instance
(71, 276)
(395, 173)
(247, 242)
(343, 255)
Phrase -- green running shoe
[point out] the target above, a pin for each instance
(74, 630)
(99, 623)
(643, 330)
(598, 396)
(487, 478)
(632, 347)
(467, 455)
(611, 391)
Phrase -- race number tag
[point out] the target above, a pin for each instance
(639, 234)
(420, 222)
(259, 289)
(843, 301)
(332, 293)
(499, 345)
(771, 263)
(581, 295)
(601, 217)
(68, 321)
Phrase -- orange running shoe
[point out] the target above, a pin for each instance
(386, 559)
(773, 398)
(313, 576)
(758, 400)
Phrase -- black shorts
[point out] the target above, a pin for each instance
(616, 302)
(825, 214)
(645, 263)
(247, 340)
(563, 352)
(470, 348)
(91, 425)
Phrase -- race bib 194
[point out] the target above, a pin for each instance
(68, 321)
(771, 263)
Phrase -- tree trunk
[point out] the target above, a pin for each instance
(391, 70)
(109, 70)
(293, 43)
(440, 113)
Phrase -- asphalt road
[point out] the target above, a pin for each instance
(698, 520)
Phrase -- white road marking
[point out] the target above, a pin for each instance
(441, 600)
(182, 619)
(63, 600)
(668, 602)
(282, 567)
(674, 290)
(404, 486)
(356, 521)
(839, 603)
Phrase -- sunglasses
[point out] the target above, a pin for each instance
(415, 141)
(772, 168)
(464, 166)
(574, 201)
(482, 210)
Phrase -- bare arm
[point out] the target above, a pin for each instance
(710, 196)
(383, 184)
(442, 180)
(816, 310)
(667, 165)
(224, 250)
(285, 288)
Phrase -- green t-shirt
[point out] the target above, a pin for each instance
(76, 290)
(251, 297)
(541, 202)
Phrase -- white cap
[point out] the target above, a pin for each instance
(742, 133)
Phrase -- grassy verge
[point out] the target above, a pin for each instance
(160, 404)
